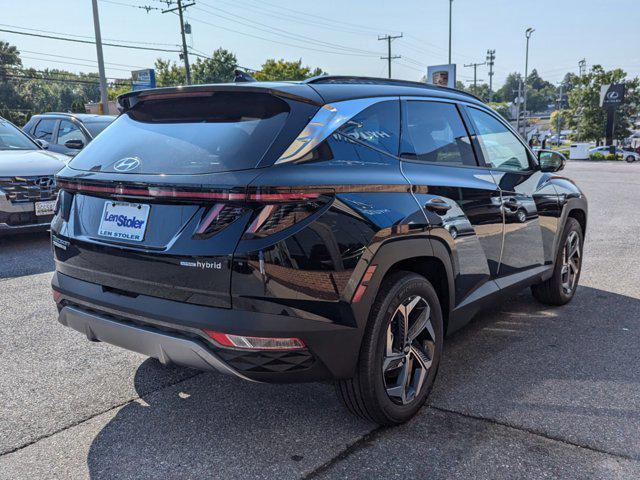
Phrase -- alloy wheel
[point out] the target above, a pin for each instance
(409, 350)
(571, 260)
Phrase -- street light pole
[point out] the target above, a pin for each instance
(527, 33)
(450, 14)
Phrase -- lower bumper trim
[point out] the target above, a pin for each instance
(167, 348)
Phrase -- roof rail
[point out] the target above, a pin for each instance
(342, 79)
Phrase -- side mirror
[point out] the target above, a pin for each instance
(74, 144)
(551, 161)
(42, 143)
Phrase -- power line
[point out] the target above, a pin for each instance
(147, 8)
(305, 47)
(76, 58)
(39, 30)
(280, 31)
(89, 42)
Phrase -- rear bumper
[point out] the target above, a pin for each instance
(6, 229)
(172, 332)
(169, 349)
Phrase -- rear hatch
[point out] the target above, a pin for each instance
(158, 202)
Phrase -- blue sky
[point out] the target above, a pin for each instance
(566, 31)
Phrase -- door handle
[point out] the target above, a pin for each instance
(511, 203)
(438, 206)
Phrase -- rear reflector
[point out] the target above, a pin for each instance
(255, 343)
(366, 278)
(56, 296)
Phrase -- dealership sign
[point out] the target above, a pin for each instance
(442, 75)
(612, 96)
(143, 79)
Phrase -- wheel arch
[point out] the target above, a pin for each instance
(424, 256)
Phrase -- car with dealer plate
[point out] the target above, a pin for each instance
(27, 186)
(334, 229)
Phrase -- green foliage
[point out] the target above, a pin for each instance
(596, 156)
(26, 91)
(169, 73)
(509, 91)
(502, 108)
(217, 69)
(565, 119)
(584, 102)
(274, 70)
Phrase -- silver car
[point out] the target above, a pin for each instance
(27, 187)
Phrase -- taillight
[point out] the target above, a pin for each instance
(275, 218)
(255, 343)
(217, 218)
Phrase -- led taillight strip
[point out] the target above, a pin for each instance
(160, 192)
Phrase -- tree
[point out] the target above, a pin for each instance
(273, 70)
(502, 108)
(509, 91)
(565, 118)
(169, 74)
(584, 103)
(217, 69)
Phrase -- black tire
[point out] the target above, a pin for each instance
(521, 215)
(552, 291)
(631, 159)
(365, 395)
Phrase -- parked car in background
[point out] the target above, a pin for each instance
(27, 186)
(66, 133)
(628, 155)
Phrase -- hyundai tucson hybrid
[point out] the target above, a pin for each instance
(303, 231)
(27, 186)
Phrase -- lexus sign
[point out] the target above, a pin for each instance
(612, 96)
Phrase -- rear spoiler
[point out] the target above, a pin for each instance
(293, 91)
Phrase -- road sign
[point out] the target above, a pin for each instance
(143, 79)
(612, 96)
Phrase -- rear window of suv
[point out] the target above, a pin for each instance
(187, 135)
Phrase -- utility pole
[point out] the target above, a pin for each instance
(475, 73)
(519, 93)
(582, 66)
(558, 115)
(389, 57)
(185, 53)
(491, 57)
(527, 34)
(450, 15)
(104, 97)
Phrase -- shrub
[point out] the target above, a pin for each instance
(596, 156)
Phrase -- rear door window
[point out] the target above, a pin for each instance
(205, 133)
(44, 129)
(433, 132)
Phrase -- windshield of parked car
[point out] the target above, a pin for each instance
(95, 127)
(11, 138)
(184, 134)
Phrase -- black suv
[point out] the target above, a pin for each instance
(330, 229)
(66, 133)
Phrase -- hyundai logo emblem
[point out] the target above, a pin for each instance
(127, 164)
(45, 182)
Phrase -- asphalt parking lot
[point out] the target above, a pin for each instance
(524, 391)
